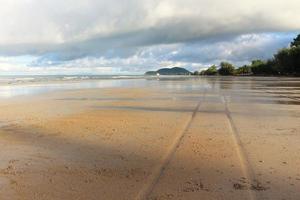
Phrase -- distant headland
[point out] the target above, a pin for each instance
(169, 71)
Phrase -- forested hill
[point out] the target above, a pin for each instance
(169, 71)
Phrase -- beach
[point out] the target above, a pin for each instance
(151, 138)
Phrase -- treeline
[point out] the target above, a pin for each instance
(285, 62)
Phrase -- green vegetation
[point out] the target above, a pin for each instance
(169, 71)
(259, 67)
(285, 62)
(210, 71)
(226, 69)
(296, 42)
(244, 70)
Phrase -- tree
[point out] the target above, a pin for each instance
(244, 70)
(295, 57)
(287, 60)
(226, 69)
(296, 42)
(211, 71)
(259, 67)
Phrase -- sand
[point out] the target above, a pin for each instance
(229, 138)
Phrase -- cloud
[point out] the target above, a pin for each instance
(191, 55)
(131, 35)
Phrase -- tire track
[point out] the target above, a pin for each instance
(246, 166)
(160, 169)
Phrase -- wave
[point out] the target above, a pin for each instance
(51, 78)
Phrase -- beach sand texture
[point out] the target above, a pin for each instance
(221, 138)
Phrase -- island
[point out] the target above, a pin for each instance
(169, 71)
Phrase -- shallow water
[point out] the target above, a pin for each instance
(12, 87)
(267, 90)
(7, 91)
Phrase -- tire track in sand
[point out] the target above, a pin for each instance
(159, 170)
(245, 164)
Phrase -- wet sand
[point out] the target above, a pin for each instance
(206, 138)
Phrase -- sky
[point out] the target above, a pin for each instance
(134, 36)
